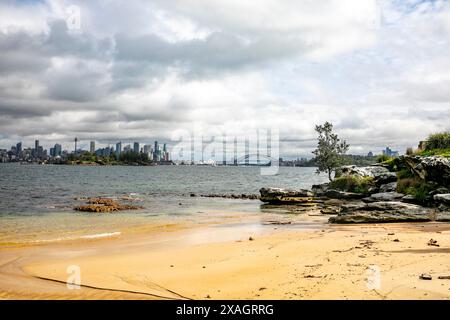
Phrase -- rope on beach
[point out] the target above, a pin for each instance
(118, 290)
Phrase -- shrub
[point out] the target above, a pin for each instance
(383, 158)
(352, 184)
(405, 173)
(438, 141)
(409, 151)
(419, 189)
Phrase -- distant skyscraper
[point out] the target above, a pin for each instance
(19, 148)
(36, 144)
(92, 147)
(76, 150)
(57, 150)
(156, 152)
(118, 149)
(136, 147)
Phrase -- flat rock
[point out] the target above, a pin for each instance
(384, 196)
(382, 211)
(337, 194)
(389, 187)
(443, 216)
(278, 195)
(442, 198)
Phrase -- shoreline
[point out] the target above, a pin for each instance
(221, 262)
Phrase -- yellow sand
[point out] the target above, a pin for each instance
(334, 262)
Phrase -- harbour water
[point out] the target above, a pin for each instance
(37, 201)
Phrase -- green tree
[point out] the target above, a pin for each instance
(330, 149)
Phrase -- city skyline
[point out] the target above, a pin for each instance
(377, 70)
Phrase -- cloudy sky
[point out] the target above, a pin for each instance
(112, 70)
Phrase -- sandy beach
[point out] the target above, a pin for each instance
(238, 261)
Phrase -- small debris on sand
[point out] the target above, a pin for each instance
(425, 276)
(444, 277)
(433, 242)
(251, 239)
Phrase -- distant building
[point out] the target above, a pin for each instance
(118, 149)
(57, 149)
(92, 147)
(370, 154)
(390, 153)
(19, 148)
(136, 147)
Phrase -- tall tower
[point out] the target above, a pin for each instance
(247, 155)
(235, 151)
(92, 147)
(76, 140)
(257, 147)
(224, 149)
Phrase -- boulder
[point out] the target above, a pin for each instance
(443, 216)
(320, 189)
(337, 194)
(385, 177)
(439, 190)
(442, 198)
(409, 198)
(278, 195)
(389, 187)
(384, 196)
(382, 211)
(433, 168)
(380, 175)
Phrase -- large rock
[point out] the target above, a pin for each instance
(434, 168)
(389, 187)
(278, 195)
(442, 198)
(320, 189)
(381, 175)
(384, 196)
(337, 194)
(382, 211)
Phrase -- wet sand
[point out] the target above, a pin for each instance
(220, 261)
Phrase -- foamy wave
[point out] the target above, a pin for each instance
(88, 236)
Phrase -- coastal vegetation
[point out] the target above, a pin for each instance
(125, 158)
(353, 183)
(330, 149)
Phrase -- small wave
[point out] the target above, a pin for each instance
(88, 236)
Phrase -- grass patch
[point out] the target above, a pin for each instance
(414, 186)
(353, 184)
(436, 152)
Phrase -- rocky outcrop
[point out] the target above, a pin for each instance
(382, 211)
(231, 196)
(434, 168)
(337, 194)
(442, 198)
(389, 187)
(320, 189)
(105, 205)
(384, 196)
(380, 174)
(280, 196)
